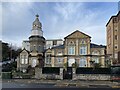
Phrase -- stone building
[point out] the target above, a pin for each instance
(75, 50)
(34, 56)
(98, 54)
(113, 39)
(53, 42)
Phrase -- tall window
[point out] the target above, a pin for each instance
(83, 62)
(55, 42)
(83, 50)
(116, 55)
(71, 50)
(115, 37)
(48, 59)
(24, 59)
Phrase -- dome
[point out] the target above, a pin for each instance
(37, 22)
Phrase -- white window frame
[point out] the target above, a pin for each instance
(71, 50)
(83, 62)
(60, 60)
(83, 50)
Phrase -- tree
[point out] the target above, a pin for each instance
(5, 51)
(66, 65)
(8, 52)
(75, 65)
(97, 65)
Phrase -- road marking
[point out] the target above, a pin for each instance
(115, 86)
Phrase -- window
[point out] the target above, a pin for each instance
(83, 50)
(96, 59)
(60, 52)
(24, 59)
(48, 59)
(116, 55)
(115, 37)
(55, 42)
(95, 52)
(83, 41)
(60, 60)
(34, 62)
(82, 62)
(71, 50)
(115, 46)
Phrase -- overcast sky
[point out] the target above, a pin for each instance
(58, 19)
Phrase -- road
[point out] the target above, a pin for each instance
(21, 83)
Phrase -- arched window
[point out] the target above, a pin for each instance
(71, 48)
(95, 52)
(48, 59)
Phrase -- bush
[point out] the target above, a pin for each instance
(6, 75)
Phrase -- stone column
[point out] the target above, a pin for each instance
(61, 73)
(77, 47)
(74, 74)
(38, 73)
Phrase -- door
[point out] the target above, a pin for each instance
(67, 74)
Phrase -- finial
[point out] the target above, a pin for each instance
(37, 15)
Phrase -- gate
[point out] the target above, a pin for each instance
(67, 74)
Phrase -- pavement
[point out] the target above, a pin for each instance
(34, 83)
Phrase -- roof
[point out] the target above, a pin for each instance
(37, 37)
(58, 47)
(25, 50)
(92, 45)
(112, 18)
(54, 39)
(79, 32)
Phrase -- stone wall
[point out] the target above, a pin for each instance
(40, 75)
(90, 76)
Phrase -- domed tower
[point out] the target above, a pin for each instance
(37, 43)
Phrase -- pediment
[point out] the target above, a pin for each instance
(78, 34)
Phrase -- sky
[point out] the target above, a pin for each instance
(58, 19)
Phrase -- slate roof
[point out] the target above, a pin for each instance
(92, 45)
(58, 47)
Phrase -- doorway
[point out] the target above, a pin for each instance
(67, 74)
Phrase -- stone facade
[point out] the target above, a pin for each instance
(77, 48)
(33, 51)
(113, 38)
(74, 51)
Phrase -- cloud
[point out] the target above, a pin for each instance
(58, 19)
(16, 21)
(67, 10)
